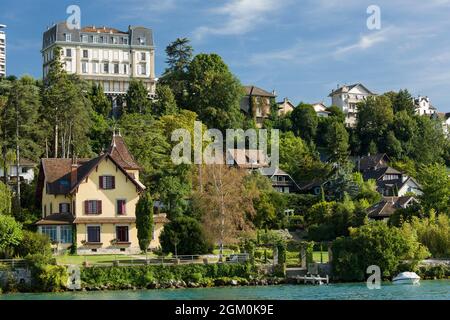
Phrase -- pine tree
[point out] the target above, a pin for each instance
(144, 221)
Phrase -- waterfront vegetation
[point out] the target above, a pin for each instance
(211, 205)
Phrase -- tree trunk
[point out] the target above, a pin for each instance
(18, 158)
(55, 152)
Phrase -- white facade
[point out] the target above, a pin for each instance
(409, 187)
(26, 173)
(321, 109)
(347, 99)
(105, 56)
(423, 106)
(2, 51)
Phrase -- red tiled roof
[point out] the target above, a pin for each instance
(121, 154)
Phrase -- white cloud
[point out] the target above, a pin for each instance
(242, 16)
(367, 41)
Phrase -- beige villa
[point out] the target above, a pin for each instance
(92, 202)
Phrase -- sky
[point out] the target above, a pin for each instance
(302, 49)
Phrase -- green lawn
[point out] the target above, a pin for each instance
(98, 259)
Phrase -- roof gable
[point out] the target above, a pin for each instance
(119, 151)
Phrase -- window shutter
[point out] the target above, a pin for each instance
(124, 210)
(113, 182)
(60, 208)
(86, 207)
(100, 182)
(99, 207)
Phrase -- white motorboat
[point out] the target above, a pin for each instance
(406, 278)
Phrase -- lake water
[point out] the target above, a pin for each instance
(427, 290)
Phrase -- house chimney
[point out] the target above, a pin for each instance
(73, 173)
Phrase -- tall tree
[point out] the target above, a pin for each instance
(137, 98)
(66, 110)
(225, 204)
(375, 117)
(179, 56)
(404, 102)
(20, 125)
(436, 188)
(214, 92)
(297, 159)
(100, 103)
(144, 221)
(165, 103)
(147, 141)
(304, 122)
(337, 142)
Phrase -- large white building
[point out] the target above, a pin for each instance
(2, 51)
(104, 55)
(347, 98)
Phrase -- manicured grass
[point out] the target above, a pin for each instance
(292, 257)
(96, 259)
(316, 256)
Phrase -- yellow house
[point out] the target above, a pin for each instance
(92, 202)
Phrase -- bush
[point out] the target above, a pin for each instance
(10, 233)
(33, 243)
(188, 234)
(141, 276)
(53, 278)
(374, 244)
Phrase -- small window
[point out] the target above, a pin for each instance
(125, 40)
(116, 68)
(107, 182)
(64, 208)
(85, 54)
(93, 234)
(143, 69)
(92, 207)
(84, 67)
(106, 67)
(68, 37)
(122, 234)
(121, 207)
(143, 56)
(84, 38)
(69, 53)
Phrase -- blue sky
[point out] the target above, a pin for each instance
(301, 49)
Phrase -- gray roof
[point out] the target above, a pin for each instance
(388, 205)
(57, 34)
(255, 91)
(349, 87)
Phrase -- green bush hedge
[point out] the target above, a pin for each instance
(142, 276)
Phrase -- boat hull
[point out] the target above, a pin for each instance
(407, 281)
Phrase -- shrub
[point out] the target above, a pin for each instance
(33, 243)
(374, 244)
(10, 233)
(53, 278)
(188, 234)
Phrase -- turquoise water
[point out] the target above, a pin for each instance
(427, 290)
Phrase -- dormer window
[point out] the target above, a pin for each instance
(68, 37)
